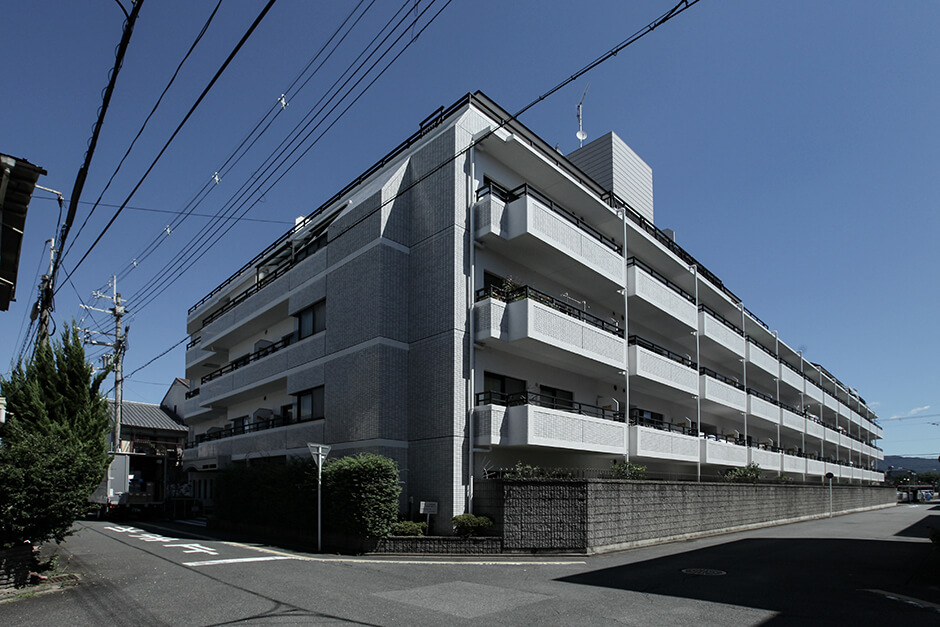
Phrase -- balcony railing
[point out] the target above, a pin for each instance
(659, 350)
(762, 347)
(192, 393)
(543, 400)
(641, 418)
(720, 377)
(244, 361)
(491, 188)
(520, 293)
(763, 396)
(633, 261)
(717, 316)
(261, 425)
(193, 342)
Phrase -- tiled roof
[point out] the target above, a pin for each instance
(147, 416)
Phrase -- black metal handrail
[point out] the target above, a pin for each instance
(244, 361)
(720, 377)
(192, 393)
(260, 425)
(527, 190)
(523, 292)
(637, 419)
(717, 316)
(633, 261)
(193, 342)
(552, 402)
(791, 367)
(659, 350)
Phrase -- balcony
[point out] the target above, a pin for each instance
(655, 290)
(251, 374)
(717, 329)
(767, 459)
(545, 327)
(659, 365)
(546, 231)
(723, 390)
(529, 419)
(791, 376)
(832, 436)
(244, 441)
(815, 467)
(792, 463)
(813, 391)
(762, 357)
(762, 406)
(664, 442)
(814, 429)
(830, 401)
(792, 420)
(719, 451)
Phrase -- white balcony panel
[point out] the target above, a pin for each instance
(832, 436)
(855, 445)
(530, 425)
(792, 463)
(192, 409)
(489, 425)
(531, 319)
(813, 391)
(712, 389)
(858, 473)
(814, 430)
(760, 408)
(661, 296)
(843, 410)
(717, 331)
(719, 453)
(845, 472)
(845, 441)
(757, 356)
(649, 365)
(877, 476)
(793, 421)
(815, 467)
(489, 320)
(767, 460)
(793, 379)
(835, 469)
(528, 217)
(657, 444)
(830, 403)
(855, 418)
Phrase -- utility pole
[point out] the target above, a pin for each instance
(117, 357)
(45, 295)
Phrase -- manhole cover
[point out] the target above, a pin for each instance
(706, 572)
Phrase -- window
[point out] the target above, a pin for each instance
(287, 414)
(555, 397)
(310, 405)
(311, 320)
(238, 424)
(502, 389)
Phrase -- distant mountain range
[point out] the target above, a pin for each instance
(917, 464)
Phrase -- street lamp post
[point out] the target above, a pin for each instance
(319, 452)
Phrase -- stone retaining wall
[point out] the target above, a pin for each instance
(15, 565)
(585, 515)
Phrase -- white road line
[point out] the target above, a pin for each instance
(437, 562)
(239, 560)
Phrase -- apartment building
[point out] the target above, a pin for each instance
(477, 299)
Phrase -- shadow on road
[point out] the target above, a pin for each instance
(921, 529)
(807, 581)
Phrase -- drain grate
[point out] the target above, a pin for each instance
(705, 572)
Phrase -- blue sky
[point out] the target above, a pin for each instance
(793, 146)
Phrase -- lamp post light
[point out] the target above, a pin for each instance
(319, 452)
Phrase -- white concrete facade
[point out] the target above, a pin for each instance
(464, 313)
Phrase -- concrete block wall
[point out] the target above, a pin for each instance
(594, 516)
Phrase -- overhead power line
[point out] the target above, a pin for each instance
(179, 127)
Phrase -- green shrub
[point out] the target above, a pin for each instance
(627, 470)
(526, 471)
(749, 474)
(361, 494)
(409, 528)
(467, 525)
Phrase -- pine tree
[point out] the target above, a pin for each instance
(54, 451)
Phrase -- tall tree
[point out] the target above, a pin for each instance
(54, 451)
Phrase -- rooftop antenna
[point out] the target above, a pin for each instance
(581, 134)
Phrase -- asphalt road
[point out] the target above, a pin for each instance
(850, 570)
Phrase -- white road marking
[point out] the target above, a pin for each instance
(239, 560)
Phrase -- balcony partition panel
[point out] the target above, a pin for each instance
(760, 358)
(813, 391)
(763, 409)
(791, 378)
(792, 463)
(792, 420)
(815, 467)
(815, 430)
(666, 299)
(719, 332)
(650, 365)
(711, 389)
